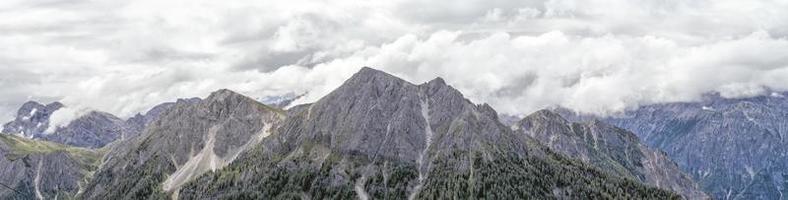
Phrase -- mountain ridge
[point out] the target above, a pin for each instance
(379, 136)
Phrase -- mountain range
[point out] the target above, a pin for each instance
(380, 137)
(734, 148)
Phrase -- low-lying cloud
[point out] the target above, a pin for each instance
(597, 56)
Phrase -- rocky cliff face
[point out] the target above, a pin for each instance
(611, 149)
(43, 170)
(378, 136)
(734, 148)
(187, 140)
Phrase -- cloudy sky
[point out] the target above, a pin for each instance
(597, 56)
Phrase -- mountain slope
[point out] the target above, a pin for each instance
(43, 170)
(735, 148)
(92, 130)
(187, 140)
(378, 136)
(612, 149)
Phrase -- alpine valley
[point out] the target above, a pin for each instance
(380, 137)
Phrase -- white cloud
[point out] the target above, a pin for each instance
(592, 55)
(600, 74)
(63, 116)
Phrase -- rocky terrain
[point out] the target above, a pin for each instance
(612, 149)
(31, 169)
(187, 140)
(734, 148)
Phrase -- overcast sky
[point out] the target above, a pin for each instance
(598, 56)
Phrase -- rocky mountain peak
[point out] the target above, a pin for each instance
(546, 115)
(32, 119)
(223, 94)
(369, 77)
(437, 82)
(28, 106)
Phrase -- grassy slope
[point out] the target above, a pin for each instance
(20, 147)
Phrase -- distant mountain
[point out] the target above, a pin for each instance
(94, 129)
(32, 119)
(734, 148)
(376, 136)
(611, 149)
(187, 140)
(31, 169)
(380, 137)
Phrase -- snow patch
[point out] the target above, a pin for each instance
(32, 112)
(750, 171)
(777, 95)
(708, 108)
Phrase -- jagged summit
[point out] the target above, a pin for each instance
(222, 94)
(31, 108)
(370, 75)
(371, 78)
(367, 75)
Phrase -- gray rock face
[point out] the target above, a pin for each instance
(92, 130)
(136, 124)
(611, 149)
(378, 136)
(42, 170)
(32, 119)
(186, 141)
(734, 148)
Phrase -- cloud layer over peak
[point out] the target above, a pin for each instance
(599, 56)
